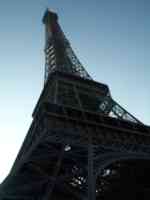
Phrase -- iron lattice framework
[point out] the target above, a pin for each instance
(60, 57)
(79, 134)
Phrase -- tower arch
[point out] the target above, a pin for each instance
(124, 176)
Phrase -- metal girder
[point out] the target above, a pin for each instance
(113, 109)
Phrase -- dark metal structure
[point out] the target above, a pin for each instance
(81, 142)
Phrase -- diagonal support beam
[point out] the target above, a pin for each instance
(91, 176)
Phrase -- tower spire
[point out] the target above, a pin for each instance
(59, 55)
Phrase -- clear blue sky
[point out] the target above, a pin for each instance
(110, 37)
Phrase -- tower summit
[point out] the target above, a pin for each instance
(81, 142)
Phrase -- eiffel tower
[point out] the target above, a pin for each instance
(81, 145)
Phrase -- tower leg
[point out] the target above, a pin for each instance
(51, 186)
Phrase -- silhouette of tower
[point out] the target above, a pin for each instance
(78, 130)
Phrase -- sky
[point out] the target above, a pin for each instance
(111, 39)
